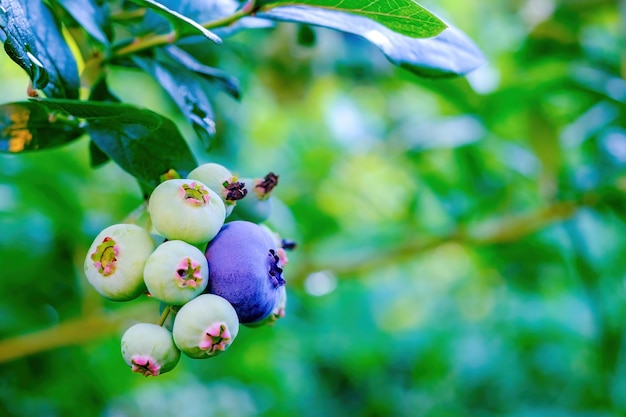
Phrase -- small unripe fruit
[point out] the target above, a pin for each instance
(256, 207)
(245, 269)
(115, 261)
(149, 349)
(176, 272)
(205, 327)
(183, 209)
(219, 179)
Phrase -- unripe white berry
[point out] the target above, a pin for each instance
(149, 349)
(115, 261)
(188, 210)
(176, 272)
(205, 327)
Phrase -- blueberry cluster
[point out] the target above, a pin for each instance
(216, 267)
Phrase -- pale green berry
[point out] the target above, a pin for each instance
(256, 207)
(176, 272)
(218, 178)
(149, 349)
(115, 261)
(183, 209)
(205, 326)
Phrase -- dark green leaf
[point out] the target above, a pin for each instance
(405, 17)
(145, 144)
(223, 80)
(89, 14)
(40, 48)
(306, 36)
(20, 43)
(187, 89)
(28, 126)
(183, 25)
(451, 53)
(96, 156)
(100, 92)
(56, 55)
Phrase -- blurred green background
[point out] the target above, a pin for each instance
(461, 242)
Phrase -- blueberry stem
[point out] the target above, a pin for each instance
(164, 314)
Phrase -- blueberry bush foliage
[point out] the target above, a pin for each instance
(453, 173)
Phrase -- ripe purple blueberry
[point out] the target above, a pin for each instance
(205, 327)
(176, 272)
(188, 210)
(245, 269)
(149, 349)
(115, 261)
(280, 244)
(219, 179)
(278, 312)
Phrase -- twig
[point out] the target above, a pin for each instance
(72, 332)
(147, 42)
(503, 230)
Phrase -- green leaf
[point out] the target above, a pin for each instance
(220, 78)
(451, 53)
(28, 126)
(306, 36)
(40, 48)
(89, 14)
(96, 156)
(405, 17)
(183, 25)
(144, 143)
(20, 43)
(55, 54)
(100, 92)
(187, 89)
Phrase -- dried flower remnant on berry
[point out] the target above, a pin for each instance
(145, 365)
(105, 256)
(277, 314)
(275, 271)
(188, 274)
(265, 186)
(195, 194)
(282, 256)
(234, 190)
(288, 244)
(215, 338)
